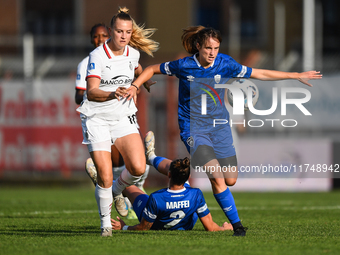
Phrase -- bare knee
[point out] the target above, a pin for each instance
(104, 179)
(230, 181)
(137, 169)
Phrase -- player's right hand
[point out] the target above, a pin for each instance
(120, 93)
(227, 226)
(117, 225)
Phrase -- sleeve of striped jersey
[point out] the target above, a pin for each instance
(239, 71)
(94, 67)
(81, 74)
(170, 68)
(150, 210)
(202, 209)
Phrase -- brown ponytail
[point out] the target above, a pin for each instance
(198, 34)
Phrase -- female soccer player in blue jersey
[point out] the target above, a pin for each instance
(175, 208)
(210, 147)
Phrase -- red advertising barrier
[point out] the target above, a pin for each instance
(40, 129)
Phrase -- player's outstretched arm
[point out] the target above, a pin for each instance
(271, 75)
(146, 75)
(146, 84)
(143, 78)
(143, 225)
(210, 225)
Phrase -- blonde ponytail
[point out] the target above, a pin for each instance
(140, 37)
(123, 9)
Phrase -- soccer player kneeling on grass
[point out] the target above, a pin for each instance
(175, 208)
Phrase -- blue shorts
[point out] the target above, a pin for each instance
(139, 205)
(219, 138)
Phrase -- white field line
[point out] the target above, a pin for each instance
(274, 207)
(51, 212)
(245, 208)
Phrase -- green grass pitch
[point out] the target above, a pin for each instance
(66, 221)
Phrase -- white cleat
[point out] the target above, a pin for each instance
(106, 232)
(120, 205)
(149, 142)
(91, 170)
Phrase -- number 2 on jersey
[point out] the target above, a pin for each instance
(178, 216)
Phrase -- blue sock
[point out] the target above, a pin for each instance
(156, 161)
(226, 201)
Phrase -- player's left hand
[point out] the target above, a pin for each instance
(148, 84)
(117, 225)
(131, 93)
(310, 75)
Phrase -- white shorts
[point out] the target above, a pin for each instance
(100, 134)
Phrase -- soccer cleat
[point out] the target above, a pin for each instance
(106, 232)
(131, 215)
(91, 170)
(149, 142)
(240, 231)
(120, 205)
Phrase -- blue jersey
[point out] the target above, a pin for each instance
(195, 80)
(175, 209)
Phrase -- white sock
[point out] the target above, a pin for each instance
(141, 181)
(117, 171)
(124, 180)
(104, 203)
(151, 158)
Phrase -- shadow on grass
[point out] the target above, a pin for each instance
(43, 232)
(33, 216)
(183, 233)
(89, 230)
